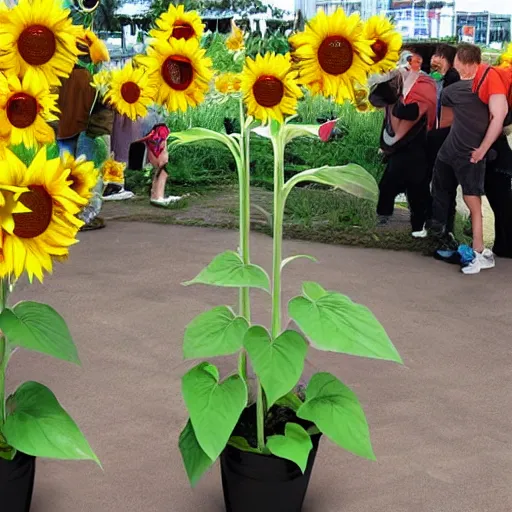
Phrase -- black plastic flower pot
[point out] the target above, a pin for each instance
(17, 483)
(260, 483)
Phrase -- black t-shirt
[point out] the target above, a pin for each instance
(470, 123)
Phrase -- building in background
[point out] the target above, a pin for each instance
(483, 27)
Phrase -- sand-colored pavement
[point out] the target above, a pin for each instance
(441, 424)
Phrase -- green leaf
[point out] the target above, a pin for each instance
(292, 131)
(298, 256)
(295, 445)
(194, 135)
(196, 462)
(278, 364)
(52, 151)
(214, 407)
(24, 153)
(228, 269)
(37, 425)
(217, 332)
(290, 400)
(334, 323)
(39, 327)
(335, 410)
(351, 178)
(242, 444)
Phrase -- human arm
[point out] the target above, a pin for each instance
(446, 118)
(409, 112)
(498, 109)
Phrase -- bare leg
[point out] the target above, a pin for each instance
(474, 203)
(159, 181)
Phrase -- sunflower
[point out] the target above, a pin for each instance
(101, 81)
(25, 108)
(131, 91)
(228, 83)
(235, 42)
(82, 174)
(32, 239)
(506, 57)
(333, 53)
(97, 48)
(38, 39)
(182, 71)
(387, 43)
(269, 87)
(113, 171)
(178, 24)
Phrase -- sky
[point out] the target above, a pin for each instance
(494, 6)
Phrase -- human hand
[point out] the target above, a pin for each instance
(478, 155)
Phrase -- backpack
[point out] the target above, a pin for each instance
(508, 118)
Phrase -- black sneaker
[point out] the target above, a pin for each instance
(383, 220)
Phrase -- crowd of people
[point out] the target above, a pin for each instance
(444, 129)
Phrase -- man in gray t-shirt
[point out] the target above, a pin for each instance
(470, 122)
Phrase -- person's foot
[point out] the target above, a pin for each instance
(383, 220)
(481, 261)
(166, 201)
(420, 234)
(96, 223)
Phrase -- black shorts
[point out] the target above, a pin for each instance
(471, 177)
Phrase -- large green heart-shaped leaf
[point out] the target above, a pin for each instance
(37, 425)
(214, 407)
(335, 410)
(228, 269)
(278, 364)
(217, 332)
(295, 445)
(38, 327)
(196, 462)
(351, 178)
(334, 323)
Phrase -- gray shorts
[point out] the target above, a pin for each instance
(471, 177)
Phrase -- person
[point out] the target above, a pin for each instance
(461, 159)
(498, 176)
(408, 97)
(441, 63)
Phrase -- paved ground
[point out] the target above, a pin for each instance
(441, 424)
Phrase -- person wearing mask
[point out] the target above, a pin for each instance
(461, 159)
(408, 97)
(442, 65)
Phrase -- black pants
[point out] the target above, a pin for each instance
(444, 194)
(498, 188)
(435, 140)
(407, 171)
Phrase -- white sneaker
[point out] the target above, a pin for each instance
(420, 234)
(481, 261)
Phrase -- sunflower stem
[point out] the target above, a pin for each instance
(4, 358)
(245, 226)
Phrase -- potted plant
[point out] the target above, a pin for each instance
(266, 435)
(41, 195)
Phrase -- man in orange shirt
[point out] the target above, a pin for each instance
(498, 175)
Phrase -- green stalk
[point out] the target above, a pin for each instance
(4, 293)
(245, 226)
(277, 238)
(277, 233)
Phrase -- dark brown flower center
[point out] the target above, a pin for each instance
(177, 71)
(35, 222)
(335, 55)
(90, 4)
(37, 45)
(268, 91)
(183, 30)
(21, 110)
(380, 48)
(130, 92)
